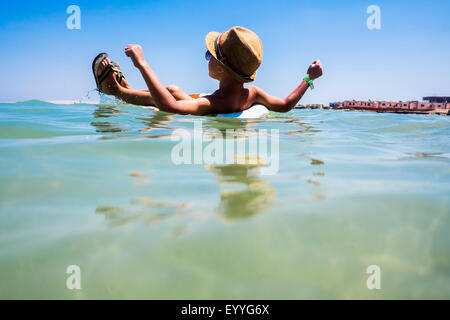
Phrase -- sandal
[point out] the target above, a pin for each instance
(113, 66)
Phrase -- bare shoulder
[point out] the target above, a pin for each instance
(253, 90)
(256, 94)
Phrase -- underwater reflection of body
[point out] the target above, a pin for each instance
(243, 193)
(126, 117)
(145, 210)
(222, 124)
(103, 112)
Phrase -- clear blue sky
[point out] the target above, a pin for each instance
(407, 59)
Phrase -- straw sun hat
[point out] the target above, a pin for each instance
(239, 50)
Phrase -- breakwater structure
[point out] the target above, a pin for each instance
(432, 104)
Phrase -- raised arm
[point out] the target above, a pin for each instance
(284, 105)
(164, 100)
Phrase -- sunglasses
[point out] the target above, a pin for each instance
(208, 55)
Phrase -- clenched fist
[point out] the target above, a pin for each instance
(315, 70)
(134, 51)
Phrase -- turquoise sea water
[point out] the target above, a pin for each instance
(95, 186)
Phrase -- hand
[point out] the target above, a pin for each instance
(315, 70)
(134, 51)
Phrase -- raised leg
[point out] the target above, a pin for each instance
(124, 91)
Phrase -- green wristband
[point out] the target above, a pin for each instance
(309, 81)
